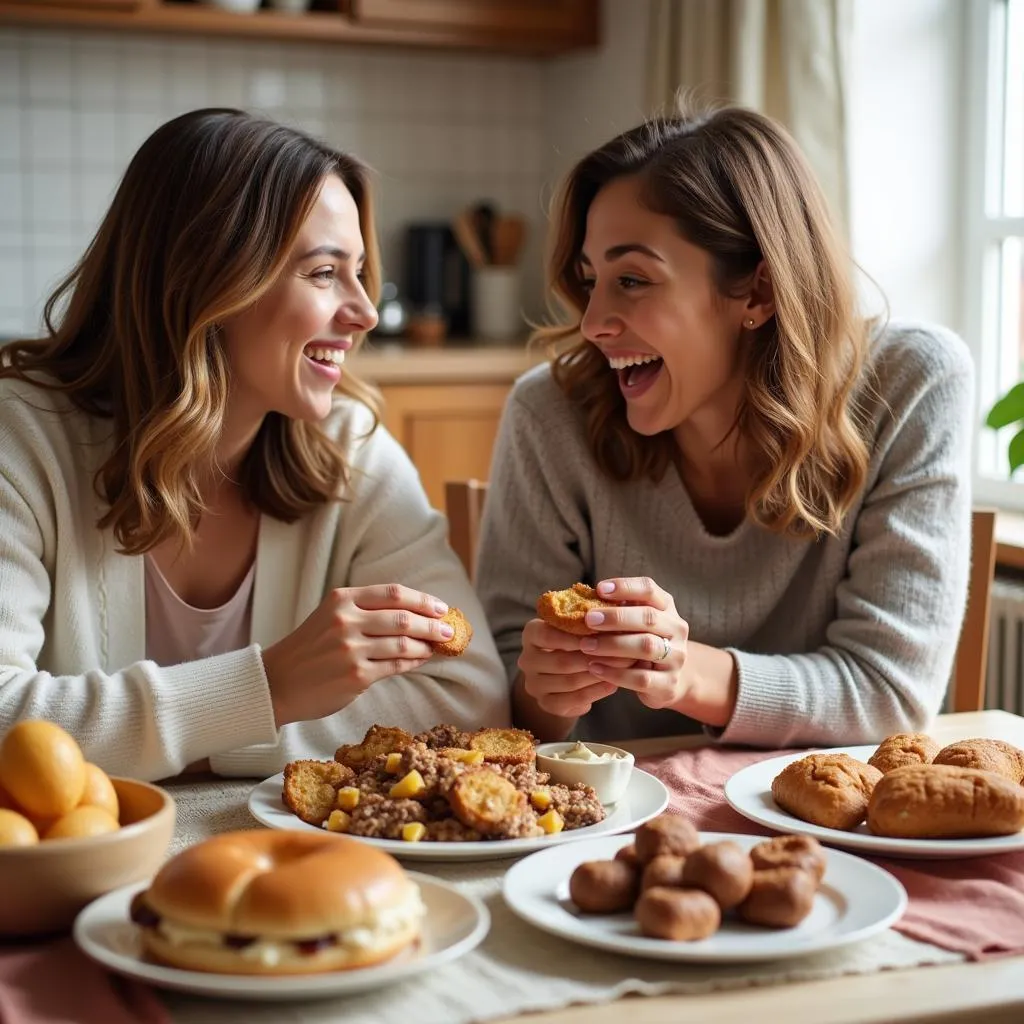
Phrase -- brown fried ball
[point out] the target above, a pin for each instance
(723, 870)
(779, 897)
(667, 833)
(681, 915)
(604, 886)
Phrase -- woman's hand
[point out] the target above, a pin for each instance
(556, 674)
(648, 633)
(354, 638)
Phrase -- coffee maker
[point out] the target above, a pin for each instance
(437, 275)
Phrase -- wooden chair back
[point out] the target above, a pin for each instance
(970, 669)
(464, 505)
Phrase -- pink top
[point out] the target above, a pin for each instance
(176, 632)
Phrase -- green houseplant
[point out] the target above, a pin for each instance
(1009, 410)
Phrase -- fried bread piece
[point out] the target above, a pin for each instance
(565, 609)
(831, 790)
(505, 746)
(942, 801)
(379, 739)
(988, 755)
(484, 801)
(460, 638)
(902, 749)
(311, 787)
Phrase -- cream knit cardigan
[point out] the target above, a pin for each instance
(72, 608)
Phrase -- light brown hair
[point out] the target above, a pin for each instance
(736, 185)
(199, 229)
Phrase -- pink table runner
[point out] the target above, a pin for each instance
(53, 982)
(973, 906)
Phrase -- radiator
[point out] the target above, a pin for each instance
(1004, 684)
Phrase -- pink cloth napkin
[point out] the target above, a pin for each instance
(973, 906)
(54, 983)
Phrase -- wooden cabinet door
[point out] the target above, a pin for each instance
(86, 5)
(448, 430)
(561, 20)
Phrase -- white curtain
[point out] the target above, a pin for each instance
(785, 58)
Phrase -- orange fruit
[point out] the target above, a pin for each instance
(16, 830)
(82, 822)
(7, 802)
(99, 791)
(42, 767)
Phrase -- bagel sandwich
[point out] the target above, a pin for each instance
(278, 902)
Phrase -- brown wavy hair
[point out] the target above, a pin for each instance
(737, 186)
(200, 228)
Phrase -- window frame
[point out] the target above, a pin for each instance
(984, 230)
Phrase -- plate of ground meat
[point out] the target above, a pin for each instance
(447, 795)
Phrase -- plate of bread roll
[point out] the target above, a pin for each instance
(905, 797)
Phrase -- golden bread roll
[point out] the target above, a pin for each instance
(902, 749)
(988, 755)
(830, 790)
(269, 902)
(459, 640)
(566, 609)
(939, 801)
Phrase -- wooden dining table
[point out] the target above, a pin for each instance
(985, 992)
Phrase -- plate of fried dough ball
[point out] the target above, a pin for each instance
(669, 892)
(907, 796)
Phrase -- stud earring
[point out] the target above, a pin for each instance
(751, 323)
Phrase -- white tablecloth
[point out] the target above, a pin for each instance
(517, 968)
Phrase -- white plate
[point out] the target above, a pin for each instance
(645, 797)
(856, 900)
(750, 792)
(455, 924)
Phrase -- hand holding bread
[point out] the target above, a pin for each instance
(353, 639)
(586, 644)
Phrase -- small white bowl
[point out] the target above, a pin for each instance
(609, 779)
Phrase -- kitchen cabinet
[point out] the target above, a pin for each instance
(448, 430)
(525, 27)
(86, 5)
(570, 22)
(444, 405)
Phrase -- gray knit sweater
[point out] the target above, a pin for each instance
(842, 640)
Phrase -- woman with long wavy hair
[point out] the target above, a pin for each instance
(769, 491)
(210, 550)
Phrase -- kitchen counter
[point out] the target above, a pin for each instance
(388, 363)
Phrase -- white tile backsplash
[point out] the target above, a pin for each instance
(10, 135)
(47, 60)
(440, 130)
(97, 138)
(51, 133)
(12, 279)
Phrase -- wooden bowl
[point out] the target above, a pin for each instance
(42, 888)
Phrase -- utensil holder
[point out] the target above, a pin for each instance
(497, 313)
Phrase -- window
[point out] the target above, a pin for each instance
(994, 236)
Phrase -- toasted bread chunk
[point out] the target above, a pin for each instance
(565, 609)
(505, 746)
(482, 800)
(460, 638)
(311, 788)
(379, 739)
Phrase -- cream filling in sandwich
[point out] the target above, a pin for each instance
(377, 930)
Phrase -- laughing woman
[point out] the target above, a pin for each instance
(773, 491)
(210, 551)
